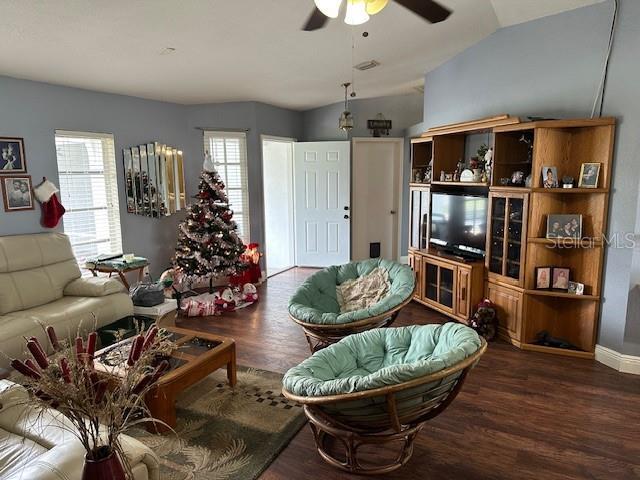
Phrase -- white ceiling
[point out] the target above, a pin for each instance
(232, 50)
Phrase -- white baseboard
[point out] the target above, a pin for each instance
(618, 361)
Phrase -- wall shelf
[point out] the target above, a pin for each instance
(561, 294)
(567, 242)
(569, 191)
(461, 184)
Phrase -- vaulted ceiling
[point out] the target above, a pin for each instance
(231, 50)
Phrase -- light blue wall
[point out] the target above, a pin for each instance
(260, 119)
(34, 111)
(551, 67)
(404, 111)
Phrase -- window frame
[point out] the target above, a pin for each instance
(207, 136)
(109, 176)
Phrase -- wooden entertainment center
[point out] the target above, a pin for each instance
(516, 238)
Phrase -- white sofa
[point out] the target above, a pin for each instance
(40, 281)
(38, 445)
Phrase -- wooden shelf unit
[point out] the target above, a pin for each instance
(523, 311)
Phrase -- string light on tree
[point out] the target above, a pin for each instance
(208, 243)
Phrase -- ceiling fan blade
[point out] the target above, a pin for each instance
(428, 9)
(316, 21)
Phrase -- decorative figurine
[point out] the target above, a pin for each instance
(517, 177)
(442, 176)
(567, 182)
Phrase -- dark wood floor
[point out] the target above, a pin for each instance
(521, 415)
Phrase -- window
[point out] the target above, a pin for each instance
(229, 152)
(89, 192)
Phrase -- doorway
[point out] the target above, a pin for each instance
(322, 198)
(377, 198)
(277, 187)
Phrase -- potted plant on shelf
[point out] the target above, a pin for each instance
(101, 405)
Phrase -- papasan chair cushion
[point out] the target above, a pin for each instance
(381, 357)
(316, 301)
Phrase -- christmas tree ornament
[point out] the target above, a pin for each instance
(208, 165)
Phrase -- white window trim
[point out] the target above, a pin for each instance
(110, 174)
(244, 174)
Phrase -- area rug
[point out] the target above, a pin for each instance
(225, 433)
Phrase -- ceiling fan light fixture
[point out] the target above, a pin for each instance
(356, 12)
(331, 8)
(376, 6)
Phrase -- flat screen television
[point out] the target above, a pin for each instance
(459, 223)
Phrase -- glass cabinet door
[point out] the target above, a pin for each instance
(446, 287)
(431, 283)
(496, 246)
(414, 241)
(424, 219)
(514, 236)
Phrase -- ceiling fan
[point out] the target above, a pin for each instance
(359, 11)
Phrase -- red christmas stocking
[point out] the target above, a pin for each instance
(52, 209)
(52, 212)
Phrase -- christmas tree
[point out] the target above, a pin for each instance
(208, 244)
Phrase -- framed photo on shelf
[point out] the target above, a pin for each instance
(589, 175)
(12, 159)
(543, 278)
(560, 278)
(549, 177)
(16, 193)
(576, 288)
(564, 226)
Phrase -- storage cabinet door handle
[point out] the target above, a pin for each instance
(463, 294)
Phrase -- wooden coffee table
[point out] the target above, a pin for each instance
(199, 354)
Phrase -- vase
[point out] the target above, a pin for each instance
(108, 467)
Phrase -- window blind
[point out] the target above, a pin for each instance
(229, 152)
(89, 192)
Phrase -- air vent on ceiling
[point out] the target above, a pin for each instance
(368, 65)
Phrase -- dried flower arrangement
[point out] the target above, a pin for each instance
(101, 406)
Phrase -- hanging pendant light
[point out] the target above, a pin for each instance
(346, 119)
(331, 8)
(356, 12)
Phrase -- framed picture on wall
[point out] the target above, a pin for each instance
(17, 193)
(12, 159)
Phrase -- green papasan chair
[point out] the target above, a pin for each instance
(315, 306)
(379, 388)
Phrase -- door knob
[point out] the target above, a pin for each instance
(392, 212)
(346, 208)
(346, 217)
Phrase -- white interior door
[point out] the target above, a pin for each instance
(322, 202)
(377, 180)
(277, 182)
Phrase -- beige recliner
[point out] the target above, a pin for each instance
(40, 281)
(37, 444)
